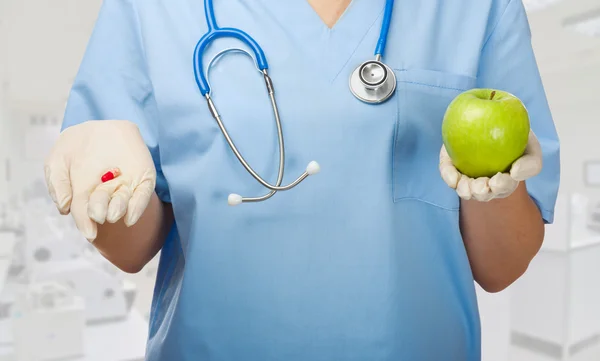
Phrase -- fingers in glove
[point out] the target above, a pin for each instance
(139, 201)
(100, 198)
(503, 185)
(463, 188)
(118, 204)
(79, 211)
(530, 164)
(480, 189)
(449, 173)
(58, 182)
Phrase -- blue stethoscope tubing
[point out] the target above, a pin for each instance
(215, 32)
(385, 28)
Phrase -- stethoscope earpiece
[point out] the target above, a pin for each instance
(311, 169)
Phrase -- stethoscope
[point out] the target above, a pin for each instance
(372, 82)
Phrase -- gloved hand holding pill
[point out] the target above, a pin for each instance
(100, 171)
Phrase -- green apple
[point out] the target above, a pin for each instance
(485, 131)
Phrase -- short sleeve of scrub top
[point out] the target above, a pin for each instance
(508, 63)
(113, 83)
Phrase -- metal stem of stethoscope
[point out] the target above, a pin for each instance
(374, 82)
(312, 168)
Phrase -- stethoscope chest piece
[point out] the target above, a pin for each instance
(373, 82)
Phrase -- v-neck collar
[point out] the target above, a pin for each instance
(338, 20)
(350, 31)
(330, 48)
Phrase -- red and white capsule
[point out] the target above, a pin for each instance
(110, 175)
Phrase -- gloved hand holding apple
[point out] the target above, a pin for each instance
(488, 145)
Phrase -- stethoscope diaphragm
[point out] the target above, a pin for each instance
(373, 82)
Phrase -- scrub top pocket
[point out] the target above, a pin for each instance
(423, 97)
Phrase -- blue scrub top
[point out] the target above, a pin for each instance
(364, 261)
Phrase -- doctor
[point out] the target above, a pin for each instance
(371, 259)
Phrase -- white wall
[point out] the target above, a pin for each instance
(573, 94)
(46, 43)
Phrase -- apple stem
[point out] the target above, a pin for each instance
(493, 95)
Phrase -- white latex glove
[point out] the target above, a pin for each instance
(501, 185)
(81, 155)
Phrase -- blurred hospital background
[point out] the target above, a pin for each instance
(59, 300)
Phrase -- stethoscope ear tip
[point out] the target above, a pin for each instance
(234, 199)
(313, 168)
